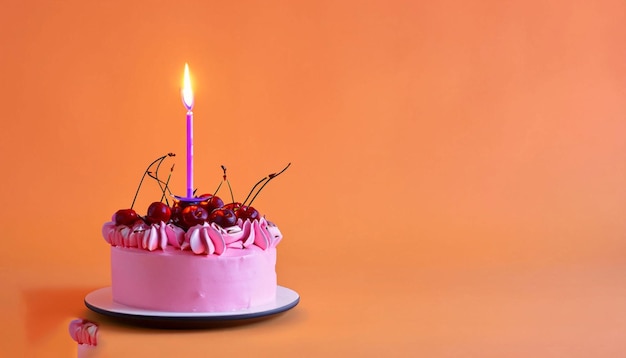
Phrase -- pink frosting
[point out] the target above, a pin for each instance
(266, 234)
(238, 237)
(205, 239)
(141, 235)
(174, 280)
(84, 332)
(158, 236)
(274, 233)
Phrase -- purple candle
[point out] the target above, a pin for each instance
(187, 95)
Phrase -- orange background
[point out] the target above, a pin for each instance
(458, 177)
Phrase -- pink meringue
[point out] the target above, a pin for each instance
(274, 233)
(84, 332)
(204, 239)
(261, 236)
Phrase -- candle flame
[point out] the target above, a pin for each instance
(187, 92)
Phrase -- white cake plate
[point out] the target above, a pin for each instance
(101, 301)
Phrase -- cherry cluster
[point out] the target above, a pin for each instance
(187, 212)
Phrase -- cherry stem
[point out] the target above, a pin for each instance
(147, 173)
(218, 188)
(161, 182)
(269, 178)
(162, 185)
(167, 186)
(232, 197)
(252, 190)
(156, 175)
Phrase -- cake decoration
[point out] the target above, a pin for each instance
(202, 224)
(84, 332)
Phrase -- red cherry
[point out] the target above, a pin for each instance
(248, 212)
(194, 215)
(223, 217)
(233, 206)
(125, 217)
(212, 203)
(158, 212)
(176, 213)
(177, 210)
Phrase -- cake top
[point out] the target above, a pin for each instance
(204, 224)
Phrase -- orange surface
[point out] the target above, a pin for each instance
(458, 177)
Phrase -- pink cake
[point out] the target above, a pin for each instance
(197, 255)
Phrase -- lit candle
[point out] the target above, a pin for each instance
(187, 95)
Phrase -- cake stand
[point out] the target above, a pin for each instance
(101, 301)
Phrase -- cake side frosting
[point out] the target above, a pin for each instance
(178, 281)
